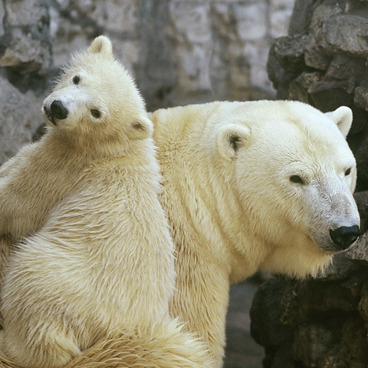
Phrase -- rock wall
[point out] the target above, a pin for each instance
(314, 323)
(178, 51)
(322, 323)
(323, 62)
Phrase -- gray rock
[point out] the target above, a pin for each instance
(361, 199)
(179, 52)
(344, 33)
(312, 341)
(290, 52)
(359, 252)
(340, 268)
(19, 118)
(361, 97)
(312, 323)
(27, 13)
(2, 16)
(299, 87)
(300, 19)
(323, 62)
(27, 46)
(26, 54)
(269, 326)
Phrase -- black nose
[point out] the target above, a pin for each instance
(58, 110)
(345, 236)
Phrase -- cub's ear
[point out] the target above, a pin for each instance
(101, 44)
(343, 117)
(230, 138)
(140, 129)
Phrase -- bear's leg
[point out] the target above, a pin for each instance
(50, 347)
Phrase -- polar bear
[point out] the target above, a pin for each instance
(43, 173)
(248, 186)
(101, 265)
(264, 185)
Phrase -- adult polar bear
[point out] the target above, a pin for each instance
(248, 186)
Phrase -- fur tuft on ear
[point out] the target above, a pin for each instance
(343, 117)
(101, 44)
(230, 138)
(141, 129)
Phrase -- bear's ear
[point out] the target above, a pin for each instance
(140, 129)
(101, 44)
(343, 117)
(230, 138)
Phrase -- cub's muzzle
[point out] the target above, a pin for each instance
(57, 111)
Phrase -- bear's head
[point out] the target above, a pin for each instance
(96, 98)
(294, 174)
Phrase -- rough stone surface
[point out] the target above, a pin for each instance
(179, 51)
(322, 322)
(319, 323)
(241, 350)
(323, 62)
(25, 44)
(18, 119)
(359, 251)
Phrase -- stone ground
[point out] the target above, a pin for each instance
(241, 351)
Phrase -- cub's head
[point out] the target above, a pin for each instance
(295, 175)
(97, 98)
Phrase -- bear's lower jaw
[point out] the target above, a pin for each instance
(332, 249)
(49, 116)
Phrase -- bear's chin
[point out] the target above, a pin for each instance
(48, 117)
(328, 247)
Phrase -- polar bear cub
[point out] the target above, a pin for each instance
(102, 263)
(78, 115)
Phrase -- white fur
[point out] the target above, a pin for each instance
(44, 173)
(102, 264)
(232, 206)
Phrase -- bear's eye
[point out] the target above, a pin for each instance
(296, 179)
(76, 79)
(95, 113)
(348, 171)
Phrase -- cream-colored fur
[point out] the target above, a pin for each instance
(162, 346)
(232, 203)
(101, 265)
(43, 173)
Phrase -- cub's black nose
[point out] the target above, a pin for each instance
(344, 236)
(58, 110)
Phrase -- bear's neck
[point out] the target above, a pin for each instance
(89, 148)
(206, 214)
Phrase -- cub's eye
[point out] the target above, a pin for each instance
(296, 179)
(95, 113)
(348, 171)
(76, 79)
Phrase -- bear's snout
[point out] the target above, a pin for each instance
(344, 236)
(58, 110)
